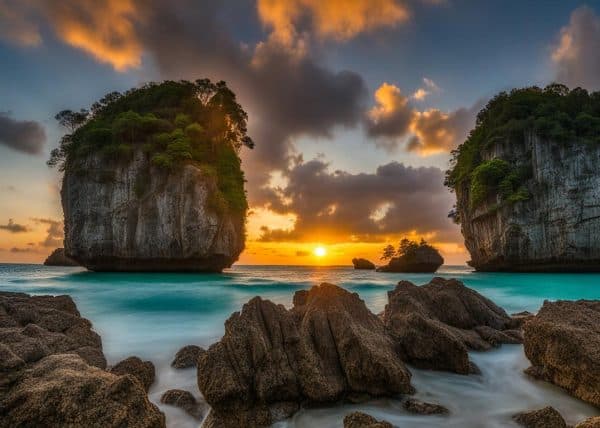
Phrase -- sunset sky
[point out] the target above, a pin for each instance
(354, 105)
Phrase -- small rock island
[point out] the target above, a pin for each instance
(411, 257)
(153, 181)
(363, 264)
(527, 182)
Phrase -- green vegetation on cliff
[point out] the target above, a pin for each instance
(554, 113)
(172, 123)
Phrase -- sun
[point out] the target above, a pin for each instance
(320, 251)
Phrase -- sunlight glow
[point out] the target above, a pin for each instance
(320, 251)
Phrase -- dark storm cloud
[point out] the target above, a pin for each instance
(22, 135)
(13, 227)
(286, 94)
(576, 55)
(395, 199)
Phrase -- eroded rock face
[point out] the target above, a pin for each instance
(187, 357)
(363, 264)
(51, 370)
(563, 344)
(593, 422)
(435, 325)
(63, 390)
(141, 370)
(131, 216)
(362, 420)
(58, 258)
(556, 229)
(270, 359)
(548, 417)
(33, 327)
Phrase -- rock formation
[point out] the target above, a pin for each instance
(187, 357)
(593, 422)
(169, 225)
(424, 259)
(563, 344)
(435, 325)
(185, 401)
(141, 370)
(51, 370)
(548, 417)
(362, 420)
(364, 264)
(270, 359)
(58, 258)
(419, 407)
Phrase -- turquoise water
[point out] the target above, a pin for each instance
(153, 315)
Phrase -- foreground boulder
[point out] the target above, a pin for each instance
(32, 327)
(363, 264)
(141, 370)
(593, 422)
(362, 420)
(271, 359)
(63, 390)
(435, 325)
(187, 357)
(51, 370)
(563, 344)
(59, 258)
(548, 417)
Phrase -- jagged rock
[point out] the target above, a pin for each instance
(32, 327)
(63, 390)
(187, 357)
(362, 264)
(58, 258)
(593, 422)
(563, 344)
(184, 400)
(362, 420)
(423, 408)
(270, 359)
(133, 216)
(434, 325)
(548, 417)
(141, 370)
(424, 259)
(521, 318)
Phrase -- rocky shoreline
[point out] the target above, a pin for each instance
(328, 348)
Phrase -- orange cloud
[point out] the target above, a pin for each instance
(330, 19)
(106, 31)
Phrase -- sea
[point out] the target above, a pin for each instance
(152, 315)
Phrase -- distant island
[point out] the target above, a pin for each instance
(411, 256)
(527, 182)
(153, 180)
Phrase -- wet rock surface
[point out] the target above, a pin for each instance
(52, 370)
(548, 417)
(271, 359)
(363, 420)
(413, 405)
(184, 400)
(562, 342)
(141, 370)
(593, 422)
(435, 325)
(187, 357)
(363, 264)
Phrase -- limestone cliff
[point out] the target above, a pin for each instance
(556, 229)
(133, 216)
